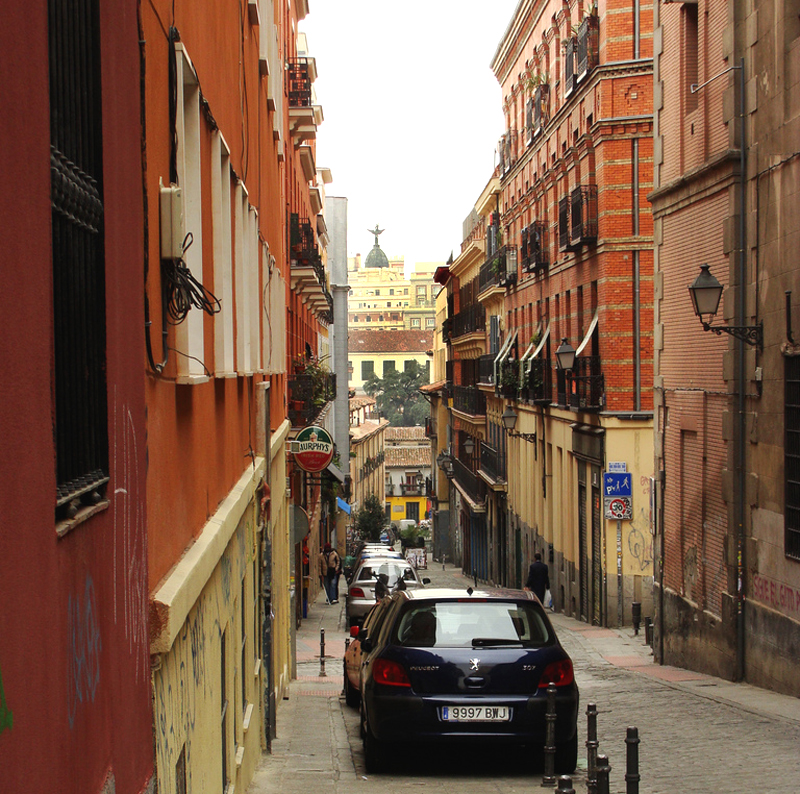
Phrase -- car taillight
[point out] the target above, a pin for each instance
(356, 592)
(389, 673)
(558, 673)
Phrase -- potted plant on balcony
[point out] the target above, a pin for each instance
(509, 378)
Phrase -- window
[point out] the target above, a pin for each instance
(690, 55)
(415, 322)
(408, 365)
(791, 466)
(388, 366)
(430, 322)
(189, 333)
(367, 370)
(223, 260)
(391, 292)
(81, 414)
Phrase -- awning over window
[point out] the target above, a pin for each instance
(535, 354)
(503, 354)
(588, 335)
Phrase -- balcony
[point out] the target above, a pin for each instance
(587, 46)
(534, 247)
(577, 218)
(308, 394)
(541, 108)
(300, 73)
(538, 386)
(431, 429)
(570, 75)
(307, 271)
(470, 483)
(586, 384)
(583, 388)
(470, 320)
(492, 464)
(486, 370)
(415, 489)
(498, 270)
(469, 400)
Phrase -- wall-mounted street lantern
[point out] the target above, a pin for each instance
(565, 355)
(706, 294)
(509, 418)
(469, 446)
(444, 462)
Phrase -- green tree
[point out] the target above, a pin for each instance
(397, 395)
(370, 519)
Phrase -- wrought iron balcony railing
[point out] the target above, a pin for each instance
(586, 384)
(308, 395)
(469, 481)
(534, 247)
(495, 271)
(492, 463)
(469, 320)
(583, 388)
(469, 400)
(538, 386)
(486, 369)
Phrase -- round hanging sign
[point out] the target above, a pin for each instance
(313, 449)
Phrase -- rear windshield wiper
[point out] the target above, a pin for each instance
(484, 642)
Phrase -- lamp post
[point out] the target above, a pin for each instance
(706, 294)
(565, 355)
(509, 418)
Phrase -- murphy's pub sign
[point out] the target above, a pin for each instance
(313, 449)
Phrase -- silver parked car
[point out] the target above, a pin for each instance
(399, 575)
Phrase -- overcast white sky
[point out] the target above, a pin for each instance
(412, 115)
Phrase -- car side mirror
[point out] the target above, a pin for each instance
(366, 645)
(426, 580)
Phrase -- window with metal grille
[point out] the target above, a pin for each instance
(76, 157)
(791, 516)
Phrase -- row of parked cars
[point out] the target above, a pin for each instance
(436, 665)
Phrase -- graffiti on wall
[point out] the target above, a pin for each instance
(130, 541)
(776, 594)
(189, 679)
(84, 650)
(6, 715)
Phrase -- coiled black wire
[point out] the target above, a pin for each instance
(183, 291)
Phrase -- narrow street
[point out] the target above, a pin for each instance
(698, 734)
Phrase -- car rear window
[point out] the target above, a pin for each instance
(394, 570)
(474, 624)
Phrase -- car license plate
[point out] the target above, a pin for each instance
(476, 713)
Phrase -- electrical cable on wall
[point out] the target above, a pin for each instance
(182, 290)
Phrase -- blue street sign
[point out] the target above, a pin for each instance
(617, 484)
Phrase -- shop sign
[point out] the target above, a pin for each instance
(313, 449)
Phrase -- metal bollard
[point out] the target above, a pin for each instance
(565, 785)
(636, 616)
(648, 631)
(549, 778)
(591, 748)
(603, 773)
(632, 766)
(322, 673)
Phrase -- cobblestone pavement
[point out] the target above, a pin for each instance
(698, 734)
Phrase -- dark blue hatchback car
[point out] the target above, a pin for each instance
(463, 666)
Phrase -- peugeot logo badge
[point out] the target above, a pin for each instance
(474, 663)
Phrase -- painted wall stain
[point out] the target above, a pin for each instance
(130, 541)
(84, 651)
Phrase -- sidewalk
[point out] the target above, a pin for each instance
(312, 750)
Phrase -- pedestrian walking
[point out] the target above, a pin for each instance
(322, 570)
(333, 565)
(538, 580)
